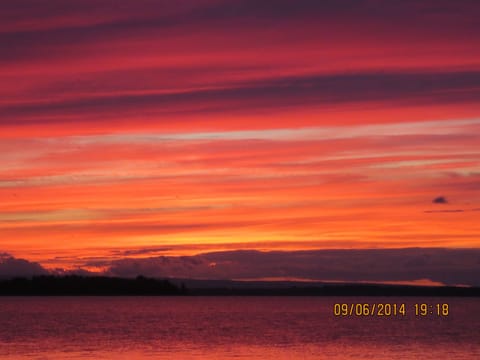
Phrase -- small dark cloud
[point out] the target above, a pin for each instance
(440, 200)
(444, 211)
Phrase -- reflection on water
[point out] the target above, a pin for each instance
(230, 327)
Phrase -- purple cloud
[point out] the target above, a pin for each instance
(440, 200)
(447, 266)
(12, 267)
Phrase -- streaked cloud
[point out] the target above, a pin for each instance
(153, 127)
(318, 91)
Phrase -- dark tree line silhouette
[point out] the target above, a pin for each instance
(91, 285)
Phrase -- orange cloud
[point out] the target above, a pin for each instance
(199, 127)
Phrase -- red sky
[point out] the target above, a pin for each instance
(225, 125)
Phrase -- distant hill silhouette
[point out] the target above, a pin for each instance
(316, 288)
(341, 290)
(74, 285)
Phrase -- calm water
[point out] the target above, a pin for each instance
(231, 328)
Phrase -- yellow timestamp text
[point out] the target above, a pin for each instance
(390, 309)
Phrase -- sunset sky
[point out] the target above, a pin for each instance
(184, 131)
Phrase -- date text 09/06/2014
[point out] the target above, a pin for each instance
(390, 309)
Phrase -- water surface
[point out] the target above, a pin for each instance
(231, 328)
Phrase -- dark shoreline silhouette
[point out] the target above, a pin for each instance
(74, 285)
